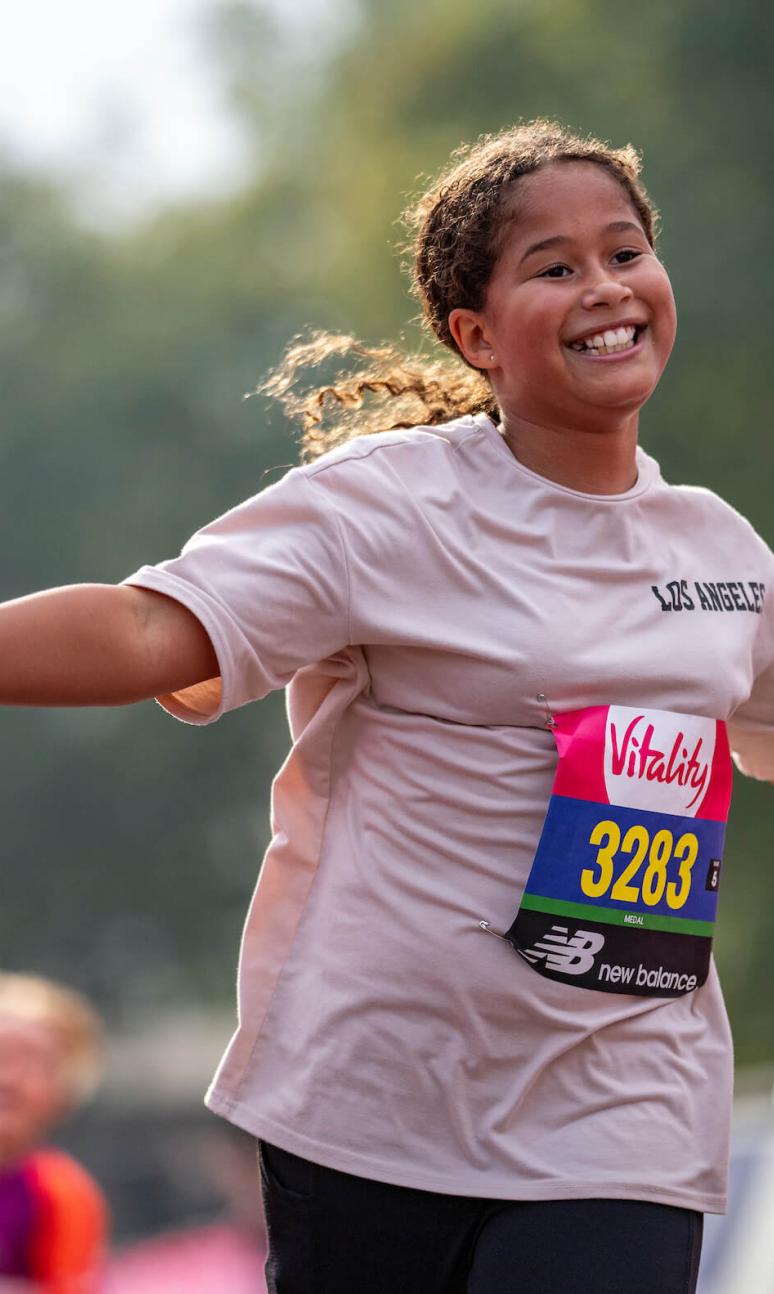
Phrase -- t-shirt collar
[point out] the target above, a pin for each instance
(647, 468)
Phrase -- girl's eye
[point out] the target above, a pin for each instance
(626, 251)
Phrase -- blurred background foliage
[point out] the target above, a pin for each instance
(131, 843)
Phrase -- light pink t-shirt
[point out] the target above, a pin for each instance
(417, 590)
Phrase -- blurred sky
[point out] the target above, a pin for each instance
(120, 97)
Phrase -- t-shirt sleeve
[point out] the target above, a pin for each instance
(751, 726)
(268, 581)
(751, 729)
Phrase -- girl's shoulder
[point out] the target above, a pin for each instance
(697, 510)
(700, 499)
(377, 451)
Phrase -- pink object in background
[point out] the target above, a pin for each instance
(218, 1259)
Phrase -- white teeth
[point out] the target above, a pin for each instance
(612, 339)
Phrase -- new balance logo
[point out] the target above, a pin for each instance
(568, 955)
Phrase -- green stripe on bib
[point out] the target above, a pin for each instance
(613, 917)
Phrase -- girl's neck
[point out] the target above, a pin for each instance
(592, 462)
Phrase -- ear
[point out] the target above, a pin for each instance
(467, 329)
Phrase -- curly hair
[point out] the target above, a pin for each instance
(457, 228)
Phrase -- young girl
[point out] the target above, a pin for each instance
(53, 1217)
(511, 651)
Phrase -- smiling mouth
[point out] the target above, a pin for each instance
(619, 351)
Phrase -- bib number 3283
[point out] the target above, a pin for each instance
(623, 891)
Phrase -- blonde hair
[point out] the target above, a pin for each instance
(456, 228)
(34, 1000)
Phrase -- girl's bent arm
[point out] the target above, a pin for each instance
(99, 644)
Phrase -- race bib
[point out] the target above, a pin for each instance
(623, 892)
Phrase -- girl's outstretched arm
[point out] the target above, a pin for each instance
(99, 644)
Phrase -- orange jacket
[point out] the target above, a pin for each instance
(69, 1244)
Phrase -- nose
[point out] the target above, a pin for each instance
(606, 291)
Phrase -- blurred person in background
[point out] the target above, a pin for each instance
(53, 1216)
(511, 650)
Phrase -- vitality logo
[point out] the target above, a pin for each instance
(658, 760)
(569, 955)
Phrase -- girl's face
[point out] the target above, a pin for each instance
(591, 278)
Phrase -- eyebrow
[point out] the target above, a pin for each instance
(615, 226)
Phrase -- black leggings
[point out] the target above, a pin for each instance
(332, 1233)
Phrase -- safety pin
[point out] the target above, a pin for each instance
(550, 720)
(484, 925)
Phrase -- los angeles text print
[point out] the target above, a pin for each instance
(622, 894)
(711, 595)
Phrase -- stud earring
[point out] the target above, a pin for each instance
(491, 356)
